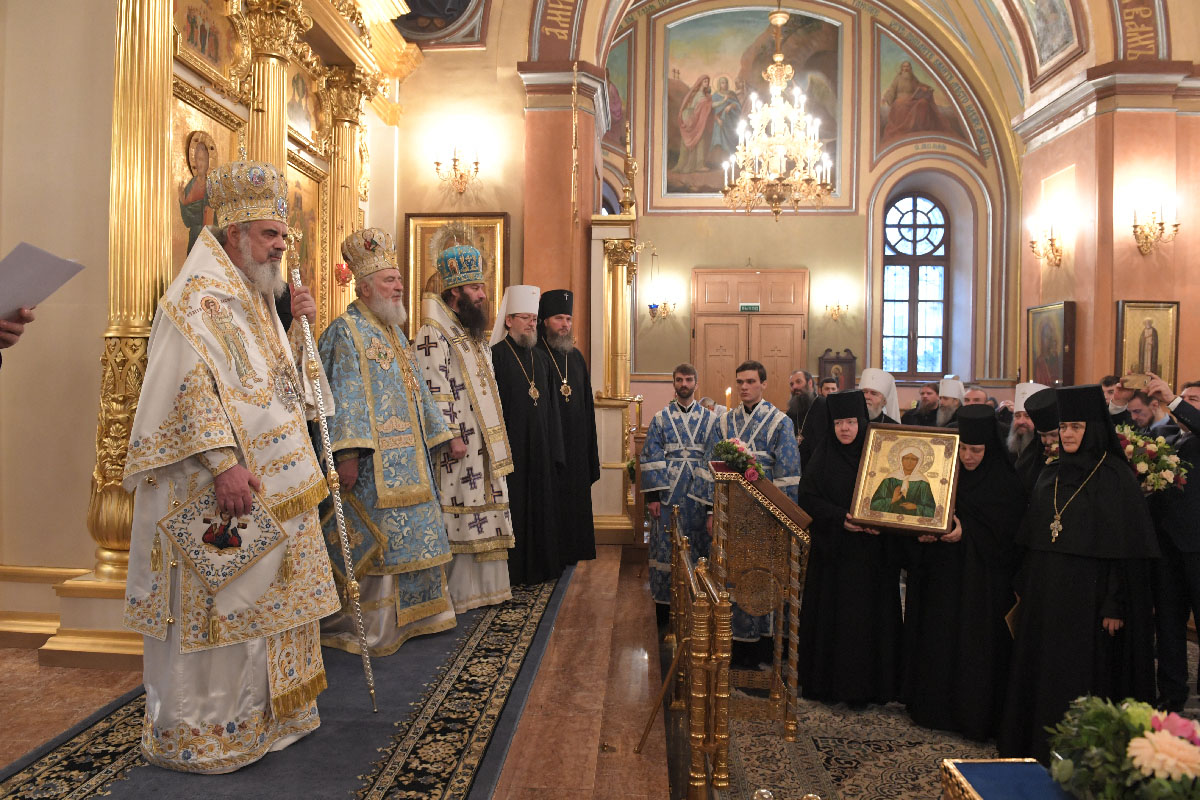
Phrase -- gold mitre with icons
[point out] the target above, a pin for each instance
(243, 191)
(368, 251)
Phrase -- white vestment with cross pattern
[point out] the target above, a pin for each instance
(474, 496)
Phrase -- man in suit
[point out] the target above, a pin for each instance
(1176, 515)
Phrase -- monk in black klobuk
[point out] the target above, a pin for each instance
(1042, 408)
(1084, 621)
(956, 642)
(535, 436)
(571, 392)
(850, 629)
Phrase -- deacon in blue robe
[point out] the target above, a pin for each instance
(674, 473)
(386, 423)
(770, 435)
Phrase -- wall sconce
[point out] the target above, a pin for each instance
(1152, 233)
(835, 312)
(457, 177)
(1047, 249)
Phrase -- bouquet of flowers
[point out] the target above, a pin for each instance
(1107, 751)
(1154, 461)
(1052, 453)
(738, 457)
(631, 470)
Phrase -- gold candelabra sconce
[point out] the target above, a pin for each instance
(1149, 234)
(835, 312)
(1047, 249)
(658, 304)
(458, 177)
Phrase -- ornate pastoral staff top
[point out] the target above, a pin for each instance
(222, 385)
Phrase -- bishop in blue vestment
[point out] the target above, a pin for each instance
(386, 424)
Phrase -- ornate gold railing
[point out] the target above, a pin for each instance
(759, 554)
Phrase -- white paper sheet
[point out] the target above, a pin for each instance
(28, 275)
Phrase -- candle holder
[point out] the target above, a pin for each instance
(1150, 234)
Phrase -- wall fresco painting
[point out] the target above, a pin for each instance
(618, 65)
(912, 104)
(714, 62)
(1052, 25)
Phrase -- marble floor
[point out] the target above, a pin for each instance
(41, 702)
(588, 704)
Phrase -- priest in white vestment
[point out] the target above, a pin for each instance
(456, 363)
(382, 435)
(228, 573)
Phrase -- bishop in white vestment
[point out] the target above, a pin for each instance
(456, 364)
(385, 427)
(228, 574)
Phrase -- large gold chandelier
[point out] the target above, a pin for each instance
(779, 158)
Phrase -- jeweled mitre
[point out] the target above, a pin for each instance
(241, 191)
(369, 251)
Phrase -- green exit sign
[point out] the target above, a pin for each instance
(748, 307)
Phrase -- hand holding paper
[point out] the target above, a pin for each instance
(11, 330)
(28, 275)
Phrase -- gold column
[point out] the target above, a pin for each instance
(346, 89)
(274, 26)
(139, 259)
(619, 271)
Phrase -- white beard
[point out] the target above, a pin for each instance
(264, 276)
(390, 312)
(944, 415)
(874, 411)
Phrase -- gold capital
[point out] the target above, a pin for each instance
(275, 25)
(346, 89)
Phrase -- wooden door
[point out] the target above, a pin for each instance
(778, 342)
(721, 341)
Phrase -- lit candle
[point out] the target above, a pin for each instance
(728, 394)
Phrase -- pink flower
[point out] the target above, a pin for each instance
(741, 449)
(752, 474)
(1182, 727)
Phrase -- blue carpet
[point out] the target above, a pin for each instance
(332, 761)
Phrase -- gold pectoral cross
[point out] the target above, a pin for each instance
(565, 390)
(1055, 528)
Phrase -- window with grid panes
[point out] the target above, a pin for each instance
(916, 264)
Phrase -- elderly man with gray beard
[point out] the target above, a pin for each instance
(571, 392)
(386, 425)
(227, 571)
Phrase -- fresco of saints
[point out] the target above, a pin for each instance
(695, 125)
(905, 491)
(911, 107)
(726, 111)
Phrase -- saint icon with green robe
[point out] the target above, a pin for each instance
(905, 491)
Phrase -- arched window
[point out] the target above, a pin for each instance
(916, 266)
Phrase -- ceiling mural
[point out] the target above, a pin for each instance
(912, 102)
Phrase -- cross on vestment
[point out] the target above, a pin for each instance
(450, 414)
(426, 346)
(456, 388)
(471, 477)
(497, 494)
(447, 462)
(1055, 528)
(477, 522)
(465, 432)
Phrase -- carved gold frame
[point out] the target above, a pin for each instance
(229, 84)
(323, 286)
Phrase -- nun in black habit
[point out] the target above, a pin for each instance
(571, 395)
(849, 632)
(1084, 621)
(956, 642)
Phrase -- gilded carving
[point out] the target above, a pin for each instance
(364, 169)
(275, 25)
(350, 12)
(346, 88)
(110, 511)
